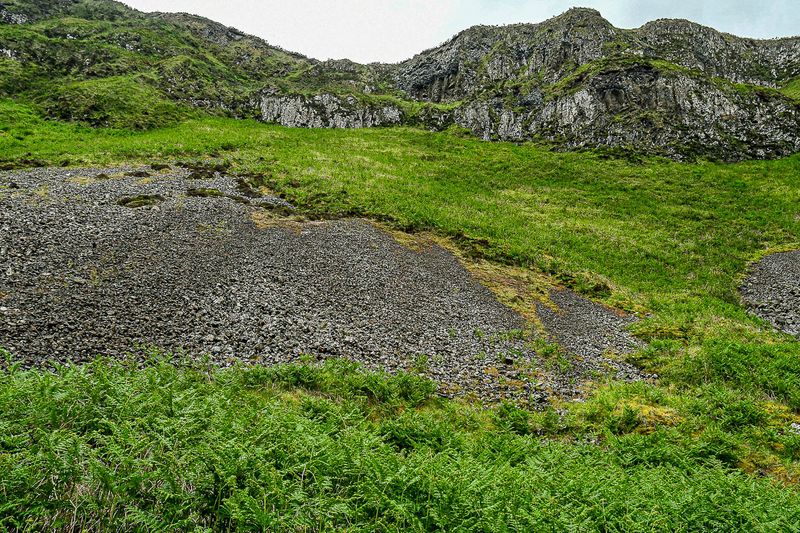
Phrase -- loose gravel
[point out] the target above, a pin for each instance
(590, 331)
(772, 291)
(118, 261)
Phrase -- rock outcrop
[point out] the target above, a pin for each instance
(482, 57)
(8, 17)
(758, 62)
(326, 111)
(671, 87)
(670, 113)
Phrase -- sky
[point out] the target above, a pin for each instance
(393, 30)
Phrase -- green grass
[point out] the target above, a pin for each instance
(299, 448)
(792, 89)
(117, 102)
(709, 445)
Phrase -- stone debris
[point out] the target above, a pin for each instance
(772, 291)
(106, 262)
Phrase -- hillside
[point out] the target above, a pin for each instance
(160, 441)
(670, 87)
(210, 321)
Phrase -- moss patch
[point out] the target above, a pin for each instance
(144, 200)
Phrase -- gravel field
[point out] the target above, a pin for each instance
(772, 291)
(83, 272)
(589, 330)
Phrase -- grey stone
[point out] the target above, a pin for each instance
(201, 276)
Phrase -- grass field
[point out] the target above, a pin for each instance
(709, 446)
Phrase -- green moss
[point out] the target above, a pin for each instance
(746, 89)
(145, 200)
(203, 192)
(16, 77)
(615, 47)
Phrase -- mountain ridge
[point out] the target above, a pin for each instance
(670, 87)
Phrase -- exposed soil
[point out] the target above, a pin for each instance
(115, 261)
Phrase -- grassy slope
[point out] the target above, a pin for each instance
(66, 66)
(792, 89)
(668, 238)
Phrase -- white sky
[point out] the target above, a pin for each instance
(394, 30)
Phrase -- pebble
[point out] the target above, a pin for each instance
(772, 291)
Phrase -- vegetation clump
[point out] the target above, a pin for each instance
(144, 200)
(204, 192)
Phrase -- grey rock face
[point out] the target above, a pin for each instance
(651, 110)
(478, 58)
(758, 62)
(11, 18)
(484, 55)
(526, 81)
(326, 111)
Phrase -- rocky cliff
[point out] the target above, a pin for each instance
(671, 87)
(646, 110)
(326, 111)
